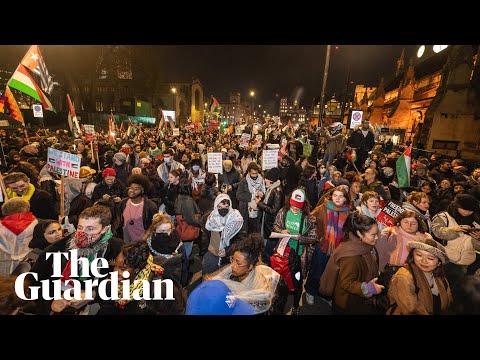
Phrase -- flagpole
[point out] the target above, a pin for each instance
(4, 189)
(62, 196)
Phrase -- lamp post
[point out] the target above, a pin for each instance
(325, 75)
(174, 92)
(252, 94)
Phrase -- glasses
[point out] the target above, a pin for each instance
(235, 263)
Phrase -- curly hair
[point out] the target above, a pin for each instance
(139, 180)
(136, 254)
(251, 248)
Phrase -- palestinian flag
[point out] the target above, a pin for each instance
(2, 104)
(287, 127)
(214, 106)
(352, 156)
(21, 80)
(73, 121)
(403, 166)
(122, 128)
(12, 106)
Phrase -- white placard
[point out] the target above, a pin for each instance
(215, 164)
(63, 163)
(270, 159)
(357, 116)
(89, 129)
(176, 132)
(37, 110)
(245, 140)
(238, 130)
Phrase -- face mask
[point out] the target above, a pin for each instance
(163, 237)
(322, 171)
(196, 167)
(83, 240)
(223, 212)
(167, 160)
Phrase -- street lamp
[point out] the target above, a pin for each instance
(252, 94)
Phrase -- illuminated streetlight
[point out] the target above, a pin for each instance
(174, 90)
(252, 93)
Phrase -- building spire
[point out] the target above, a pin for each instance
(400, 63)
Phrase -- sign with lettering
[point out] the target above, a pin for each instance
(176, 132)
(89, 131)
(270, 159)
(245, 140)
(215, 164)
(388, 214)
(63, 163)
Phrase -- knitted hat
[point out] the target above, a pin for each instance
(142, 154)
(466, 202)
(298, 198)
(273, 174)
(432, 247)
(215, 298)
(120, 156)
(109, 172)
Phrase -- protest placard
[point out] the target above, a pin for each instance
(388, 214)
(215, 164)
(270, 159)
(258, 141)
(63, 163)
(89, 131)
(245, 140)
(176, 132)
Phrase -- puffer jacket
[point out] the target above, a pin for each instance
(270, 210)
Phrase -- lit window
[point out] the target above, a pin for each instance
(420, 51)
(438, 48)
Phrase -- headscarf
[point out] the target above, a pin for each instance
(258, 288)
(229, 225)
(38, 241)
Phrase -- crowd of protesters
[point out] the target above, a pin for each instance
(309, 226)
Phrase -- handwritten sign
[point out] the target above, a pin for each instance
(388, 214)
(270, 159)
(63, 163)
(215, 163)
(176, 132)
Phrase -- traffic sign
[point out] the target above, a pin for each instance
(37, 110)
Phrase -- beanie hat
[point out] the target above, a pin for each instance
(273, 174)
(215, 298)
(120, 156)
(432, 247)
(109, 172)
(298, 198)
(466, 202)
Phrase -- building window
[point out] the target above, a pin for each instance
(85, 88)
(99, 106)
(445, 145)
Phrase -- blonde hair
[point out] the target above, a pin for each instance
(158, 219)
(15, 206)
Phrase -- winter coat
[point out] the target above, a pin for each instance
(117, 189)
(230, 178)
(308, 239)
(321, 220)
(78, 204)
(426, 219)
(207, 198)
(402, 292)
(376, 186)
(16, 232)
(123, 171)
(311, 189)
(168, 195)
(270, 209)
(460, 247)
(187, 207)
(358, 141)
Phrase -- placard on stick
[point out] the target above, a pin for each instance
(388, 214)
(215, 164)
(270, 159)
(63, 163)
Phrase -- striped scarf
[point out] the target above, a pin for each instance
(137, 284)
(336, 217)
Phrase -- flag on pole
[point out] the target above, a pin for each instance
(12, 106)
(162, 122)
(23, 81)
(122, 128)
(352, 156)
(132, 130)
(403, 166)
(2, 103)
(33, 60)
(72, 120)
(214, 106)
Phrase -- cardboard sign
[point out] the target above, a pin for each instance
(269, 159)
(388, 214)
(63, 163)
(89, 131)
(215, 163)
(238, 130)
(176, 132)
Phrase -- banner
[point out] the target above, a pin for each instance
(388, 214)
(269, 159)
(245, 140)
(215, 163)
(63, 163)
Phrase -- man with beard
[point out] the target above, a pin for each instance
(228, 182)
(136, 212)
(92, 239)
(154, 151)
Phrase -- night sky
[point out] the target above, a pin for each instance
(295, 71)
